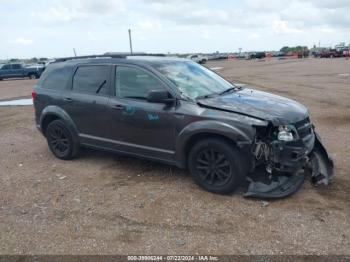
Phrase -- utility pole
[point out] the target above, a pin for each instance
(130, 42)
(75, 54)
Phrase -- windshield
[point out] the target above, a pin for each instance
(193, 80)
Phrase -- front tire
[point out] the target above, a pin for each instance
(60, 140)
(216, 165)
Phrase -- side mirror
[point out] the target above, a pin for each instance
(160, 96)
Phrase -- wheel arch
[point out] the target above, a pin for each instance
(47, 119)
(200, 130)
(52, 113)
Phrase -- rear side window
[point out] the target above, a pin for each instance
(56, 78)
(92, 79)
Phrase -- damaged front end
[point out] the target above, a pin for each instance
(283, 156)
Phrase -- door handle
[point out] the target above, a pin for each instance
(118, 107)
(68, 99)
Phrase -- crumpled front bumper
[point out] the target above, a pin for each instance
(292, 156)
(295, 164)
(321, 165)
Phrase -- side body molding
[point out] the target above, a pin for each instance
(240, 137)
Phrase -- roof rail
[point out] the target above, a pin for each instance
(161, 55)
(63, 59)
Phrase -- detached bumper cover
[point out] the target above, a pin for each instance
(281, 187)
(321, 165)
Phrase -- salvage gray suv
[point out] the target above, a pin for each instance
(180, 113)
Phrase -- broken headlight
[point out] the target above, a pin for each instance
(285, 133)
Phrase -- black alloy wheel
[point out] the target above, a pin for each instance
(213, 167)
(60, 140)
(217, 165)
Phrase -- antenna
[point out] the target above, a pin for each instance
(75, 54)
(130, 42)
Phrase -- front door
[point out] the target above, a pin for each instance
(17, 70)
(136, 125)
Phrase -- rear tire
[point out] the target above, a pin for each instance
(60, 140)
(216, 165)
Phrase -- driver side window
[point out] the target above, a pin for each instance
(134, 83)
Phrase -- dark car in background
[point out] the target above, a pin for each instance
(180, 113)
(331, 53)
(19, 70)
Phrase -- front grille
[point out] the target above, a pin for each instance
(304, 127)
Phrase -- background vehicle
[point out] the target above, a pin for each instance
(19, 71)
(198, 58)
(177, 112)
(257, 55)
(331, 53)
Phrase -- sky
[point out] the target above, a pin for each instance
(44, 28)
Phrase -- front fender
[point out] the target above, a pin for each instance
(240, 137)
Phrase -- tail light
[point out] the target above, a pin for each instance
(33, 95)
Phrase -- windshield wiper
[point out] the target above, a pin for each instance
(228, 90)
(100, 86)
(206, 96)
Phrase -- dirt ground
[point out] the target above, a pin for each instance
(18, 88)
(102, 203)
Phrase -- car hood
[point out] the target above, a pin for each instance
(258, 104)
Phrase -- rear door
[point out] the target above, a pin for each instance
(87, 101)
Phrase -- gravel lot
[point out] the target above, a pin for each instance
(16, 88)
(102, 203)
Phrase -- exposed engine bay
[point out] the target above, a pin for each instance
(283, 156)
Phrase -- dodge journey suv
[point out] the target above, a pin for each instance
(178, 112)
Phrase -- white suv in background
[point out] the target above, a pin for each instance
(198, 58)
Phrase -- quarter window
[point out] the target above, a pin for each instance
(91, 79)
(134, 83)
(55, 78)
